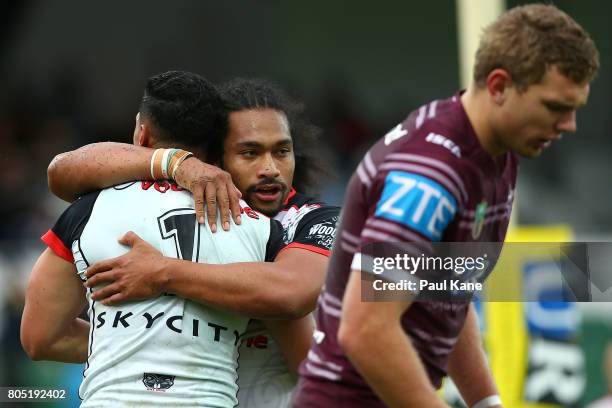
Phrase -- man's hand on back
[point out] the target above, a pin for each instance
(136, 275)
(211, 186)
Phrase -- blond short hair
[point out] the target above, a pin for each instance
(527, 40)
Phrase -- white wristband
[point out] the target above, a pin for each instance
(488, 402)
(153, 163)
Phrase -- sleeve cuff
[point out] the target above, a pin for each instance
(311, 248)
(57, 246)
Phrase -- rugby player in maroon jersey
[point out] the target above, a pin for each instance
(445, 174)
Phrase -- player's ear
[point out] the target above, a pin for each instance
(144, 136)
(498, 83)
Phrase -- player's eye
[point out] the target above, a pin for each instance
(283, 152)
(248, 153)
(557, 108)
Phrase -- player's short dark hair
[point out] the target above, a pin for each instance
(185, 109)
(527, 40)
(245, 94)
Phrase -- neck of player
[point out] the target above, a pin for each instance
(477, 109)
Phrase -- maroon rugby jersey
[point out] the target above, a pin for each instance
(427, 180)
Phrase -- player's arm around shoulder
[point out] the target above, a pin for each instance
(286, 288)
(288, 284)
(296, 277)
(50, 327)
(96, 166)
(100, 165)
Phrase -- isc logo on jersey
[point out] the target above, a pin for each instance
(417, 202)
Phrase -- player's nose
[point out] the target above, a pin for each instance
(268, 168)
(567, 123)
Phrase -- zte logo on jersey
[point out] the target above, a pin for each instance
(416, 202)
(445, 142)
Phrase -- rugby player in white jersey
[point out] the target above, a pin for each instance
(267, 150)
(167, 350)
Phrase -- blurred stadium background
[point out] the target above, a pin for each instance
(72, 73)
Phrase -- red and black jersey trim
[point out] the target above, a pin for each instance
(57, 246)
(312, 248)
(297, 200)
(291, 194)
(70, 225)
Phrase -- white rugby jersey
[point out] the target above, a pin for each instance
(263, 376)
(166, 351)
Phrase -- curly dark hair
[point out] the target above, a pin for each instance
(245, 94)
(185, 109)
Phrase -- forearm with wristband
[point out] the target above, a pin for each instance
(165, 162)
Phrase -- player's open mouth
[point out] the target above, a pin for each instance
(268, 192)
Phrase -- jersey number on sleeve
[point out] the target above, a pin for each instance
(181, 225)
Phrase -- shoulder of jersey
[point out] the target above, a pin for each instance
(438, 129)
(433, 129)
(299, 200)
(430, 142)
